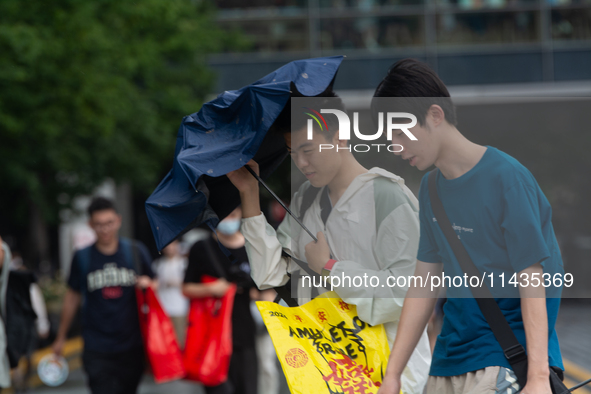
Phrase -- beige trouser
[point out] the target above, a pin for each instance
(483, 381)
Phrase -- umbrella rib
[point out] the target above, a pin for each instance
(258, 178)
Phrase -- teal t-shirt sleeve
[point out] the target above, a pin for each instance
(428, 250)
(522, 227)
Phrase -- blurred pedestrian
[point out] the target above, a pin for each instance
(4, 364)
(269, 377)
(203, 258)
(31, 336)
(37, 300)
(104, 275)
(18, 318)
(170, 270)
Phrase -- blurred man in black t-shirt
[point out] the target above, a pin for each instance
(103, 277)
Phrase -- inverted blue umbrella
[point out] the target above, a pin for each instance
(223, 136)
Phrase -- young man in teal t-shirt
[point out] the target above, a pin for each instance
(503, 220)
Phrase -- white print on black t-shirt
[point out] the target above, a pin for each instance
(110, 276)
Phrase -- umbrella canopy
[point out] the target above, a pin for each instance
(223, 136)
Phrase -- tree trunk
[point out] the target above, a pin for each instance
(38, 240)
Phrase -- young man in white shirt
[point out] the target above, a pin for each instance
(366, 223)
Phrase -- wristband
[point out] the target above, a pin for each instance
(328, 266)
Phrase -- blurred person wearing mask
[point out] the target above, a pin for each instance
(170, 270)
(205, 258)
(269, 377)
(113, 356)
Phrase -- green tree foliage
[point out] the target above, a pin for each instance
(95, 89)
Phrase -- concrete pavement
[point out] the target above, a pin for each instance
(573, 328)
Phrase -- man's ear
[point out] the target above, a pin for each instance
(336, 141)
(436, 114)
(287, 137)
(342, 143)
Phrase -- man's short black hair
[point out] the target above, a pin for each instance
(100, 204)
(412, 79)
(327, 99)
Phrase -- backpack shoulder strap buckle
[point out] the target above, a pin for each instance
(514, 352)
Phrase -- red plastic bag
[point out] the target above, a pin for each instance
(208, 346)
(160, 342)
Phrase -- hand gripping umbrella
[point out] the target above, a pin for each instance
(223, 136)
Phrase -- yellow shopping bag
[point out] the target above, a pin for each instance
(325, 348)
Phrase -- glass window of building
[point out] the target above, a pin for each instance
(242, 4)
(273, 35)
(488, 27)
(372, 33)
(571, 24)
(366, 5)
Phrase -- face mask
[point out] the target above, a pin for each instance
(229, 227)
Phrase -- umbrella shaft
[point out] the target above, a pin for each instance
(579, 386)
(258, 178)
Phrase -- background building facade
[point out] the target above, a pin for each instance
(468, 42)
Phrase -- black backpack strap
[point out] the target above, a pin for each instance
(513, 350)
(131, 251)
(307, 200)
(325, 206)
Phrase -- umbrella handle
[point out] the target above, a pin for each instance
(258, 178)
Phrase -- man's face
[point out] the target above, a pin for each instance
(421, 153)
(106, 224)
(319, 167)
